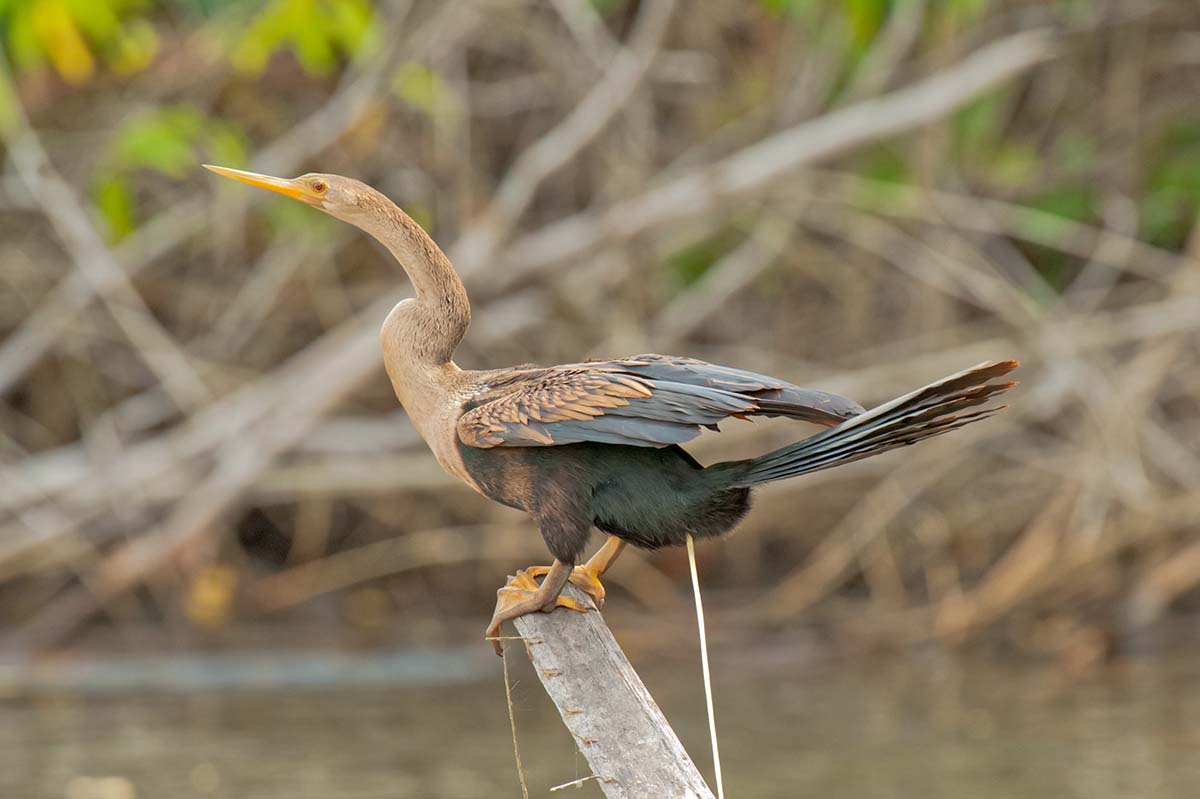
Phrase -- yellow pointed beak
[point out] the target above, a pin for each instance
(284, 186)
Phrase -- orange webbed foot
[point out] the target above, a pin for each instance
(522, 594)
(585, 577)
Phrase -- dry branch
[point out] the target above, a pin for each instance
(351, 352)
(95, 262)
(625, 738)
(561, 143)
(759, 166)
(170, 228)
(873, 286)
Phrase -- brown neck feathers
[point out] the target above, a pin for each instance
(442, 311)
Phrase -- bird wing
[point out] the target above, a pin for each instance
(645, 401)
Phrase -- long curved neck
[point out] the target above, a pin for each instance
(429, 329)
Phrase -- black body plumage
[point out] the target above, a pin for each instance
(648, 497)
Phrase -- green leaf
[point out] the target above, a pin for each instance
(73, 35)
(606, 7)
(688, 264)
(162, 142)
(1075, 153)
(136, 46)
(424, 90)
(866, 18)
(1170, 200)
(964, 11)
(8, 104)
(354, 27)
(318, 32)
(285, 216)
(225, 144)
(891, 179)
(1058, 207)
(96, 18)
(422, 214)
(114, 201)
(789, 8)
(313, 49)
(24, 45)
(977, 125)
(1013, 164)
(886, 163)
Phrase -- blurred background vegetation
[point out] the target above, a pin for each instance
(200, 454)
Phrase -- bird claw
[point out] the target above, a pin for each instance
(522, 594)
(584, 577)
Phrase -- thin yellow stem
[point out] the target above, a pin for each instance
(712, 718)
(512, 722)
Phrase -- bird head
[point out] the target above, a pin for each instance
(344, 198)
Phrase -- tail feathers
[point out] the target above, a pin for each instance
(927, 412)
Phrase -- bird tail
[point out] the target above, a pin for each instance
(927, 412)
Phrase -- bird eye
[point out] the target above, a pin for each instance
(318, 186)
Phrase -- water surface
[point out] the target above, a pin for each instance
(924, 726)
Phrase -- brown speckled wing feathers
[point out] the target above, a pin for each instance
(647, 401)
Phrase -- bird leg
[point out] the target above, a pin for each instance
(587, 577)
(522, 594)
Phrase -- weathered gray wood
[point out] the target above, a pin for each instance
(630, 747)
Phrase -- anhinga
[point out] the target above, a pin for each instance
(596, 444)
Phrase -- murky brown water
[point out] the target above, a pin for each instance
(916, 727)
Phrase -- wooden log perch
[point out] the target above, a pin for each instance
(628, 743)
